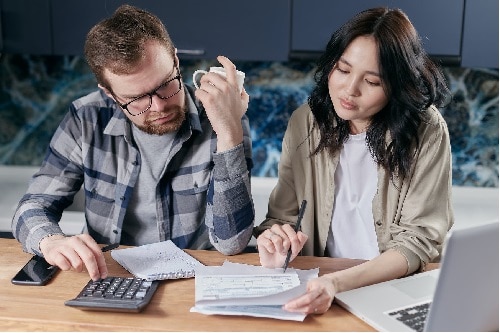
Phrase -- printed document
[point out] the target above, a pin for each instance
(240, 289)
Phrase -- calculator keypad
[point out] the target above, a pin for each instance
(115, 293)
(116, 287)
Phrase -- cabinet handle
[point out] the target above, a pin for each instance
(190, 52)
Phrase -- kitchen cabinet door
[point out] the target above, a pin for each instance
(72, 20)
(480, 41)
(25, 26)
(241, 30)
(439, 23)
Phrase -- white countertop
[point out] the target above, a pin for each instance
(13, 183)
(472, 205)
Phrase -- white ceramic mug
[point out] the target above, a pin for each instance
(240, 76)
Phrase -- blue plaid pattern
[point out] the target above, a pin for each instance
(205, 197)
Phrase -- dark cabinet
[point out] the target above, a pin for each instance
(25, 26)
(72, 20)
(458, 32)
(480, 37)
(439, 23)
(241, 30)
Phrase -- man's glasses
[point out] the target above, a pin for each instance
(143, 103)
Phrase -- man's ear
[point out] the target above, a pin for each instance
(107, 92)
(176, 59)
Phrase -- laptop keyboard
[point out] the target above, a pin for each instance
(413, 317)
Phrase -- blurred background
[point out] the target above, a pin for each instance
(276, 43)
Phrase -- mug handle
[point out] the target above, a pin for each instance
(195, 74)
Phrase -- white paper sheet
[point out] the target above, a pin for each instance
(157, 261)
(240, 289)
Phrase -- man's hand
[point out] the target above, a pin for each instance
(224, 104)
(75, 253)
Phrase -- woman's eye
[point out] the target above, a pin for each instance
(373, 83)
(342, 71)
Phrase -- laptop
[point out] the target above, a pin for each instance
(462, 295)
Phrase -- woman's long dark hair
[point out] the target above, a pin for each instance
(411, 80)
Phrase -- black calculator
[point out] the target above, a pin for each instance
(121, 294)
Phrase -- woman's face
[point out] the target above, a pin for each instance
(355, 85)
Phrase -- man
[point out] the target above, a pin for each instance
(154, 162)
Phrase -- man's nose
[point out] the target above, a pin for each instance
(157, 102)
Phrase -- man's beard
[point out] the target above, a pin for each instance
(171, 126)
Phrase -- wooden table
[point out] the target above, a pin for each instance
(34, 308)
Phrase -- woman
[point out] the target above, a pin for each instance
(371, 155)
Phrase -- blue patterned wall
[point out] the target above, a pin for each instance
(35, 92)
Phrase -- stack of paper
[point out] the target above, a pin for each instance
(239, 289)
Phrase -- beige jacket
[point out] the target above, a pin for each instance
(411, 216)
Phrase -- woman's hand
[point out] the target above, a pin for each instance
(318, 298)
(321, 291)
(273, 245)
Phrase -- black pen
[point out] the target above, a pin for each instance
(297, 228)
(110, 247)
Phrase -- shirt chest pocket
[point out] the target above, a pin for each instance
(99, 203)
(100, 191)
(191, 184)
(189, 195)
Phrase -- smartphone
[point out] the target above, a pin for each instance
(36, 272)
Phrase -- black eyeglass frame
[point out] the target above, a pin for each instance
(178, 77)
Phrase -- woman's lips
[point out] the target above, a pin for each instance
(347, 105)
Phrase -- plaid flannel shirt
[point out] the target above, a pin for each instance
(203, 199)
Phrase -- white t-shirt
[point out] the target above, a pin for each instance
(352, 231)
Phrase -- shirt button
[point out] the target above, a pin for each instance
(379, 223)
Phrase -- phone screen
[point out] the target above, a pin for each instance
(36, 272)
